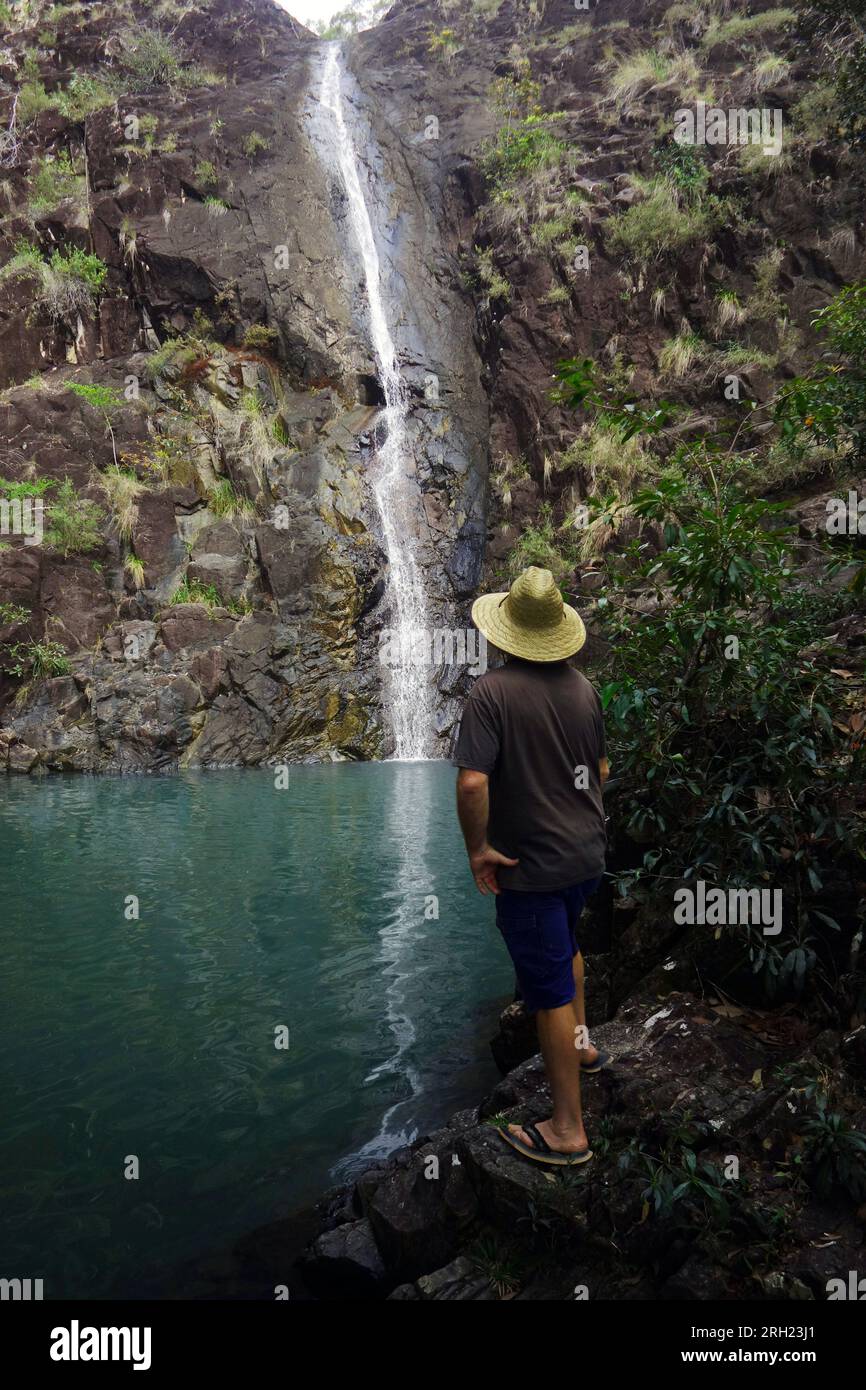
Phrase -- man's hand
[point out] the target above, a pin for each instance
(472, 808)
(483, 864)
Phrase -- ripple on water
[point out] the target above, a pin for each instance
(155, 1038)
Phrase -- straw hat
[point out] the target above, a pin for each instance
(531, 620)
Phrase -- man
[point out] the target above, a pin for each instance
(531, 754)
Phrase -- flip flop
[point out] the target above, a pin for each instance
(602, 1060)
(542, 1152)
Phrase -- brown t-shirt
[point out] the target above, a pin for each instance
(536, 729)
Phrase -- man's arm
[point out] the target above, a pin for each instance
(603, 770)
(473, 809)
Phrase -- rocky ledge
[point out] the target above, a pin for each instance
(713, 1177)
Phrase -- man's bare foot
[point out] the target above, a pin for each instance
(588, 1055)
(566, 1141)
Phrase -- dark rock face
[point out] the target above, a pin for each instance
(218, 216)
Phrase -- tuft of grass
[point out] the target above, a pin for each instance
(756, 163)
(134, 567)
(546, 234)
(664, 223)
(196, 592)
(83, 95)
(680, 354)
(35, 661)
(634, 74)
(743, 28)
(68, 284)
(494, 282)
(769, 72)
(730, 311)
(542, 544)
(122, 488)
(254, 144)
(206, 174)
(741, 356)
(224, 501)
(559, 294)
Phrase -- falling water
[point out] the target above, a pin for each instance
(396, 496)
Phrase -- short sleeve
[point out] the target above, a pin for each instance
(480, 739)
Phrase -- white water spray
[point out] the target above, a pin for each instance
(396, 496)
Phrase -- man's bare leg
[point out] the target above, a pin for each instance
(564, 1131)
(585, 1055)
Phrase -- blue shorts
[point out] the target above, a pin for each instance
(540, 931)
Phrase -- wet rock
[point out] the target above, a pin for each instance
(420, 1212)
(345, 1263)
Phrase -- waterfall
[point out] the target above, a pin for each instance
(396, 495)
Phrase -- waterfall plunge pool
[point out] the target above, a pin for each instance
(310, 909)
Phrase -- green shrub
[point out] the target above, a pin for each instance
(683, 165)
(11, 614)
(36, 661)
(33, 487)
(494, 282)
(104, 398)
(206, 174)
(73, 522)
(524, 141)
(26, 260)
(260, 336)
(835, 1153)
(720, 747)
(829, 406)
(84, 94)
(52, 181)
(81, 265)
(151, 59)
(443, 44)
